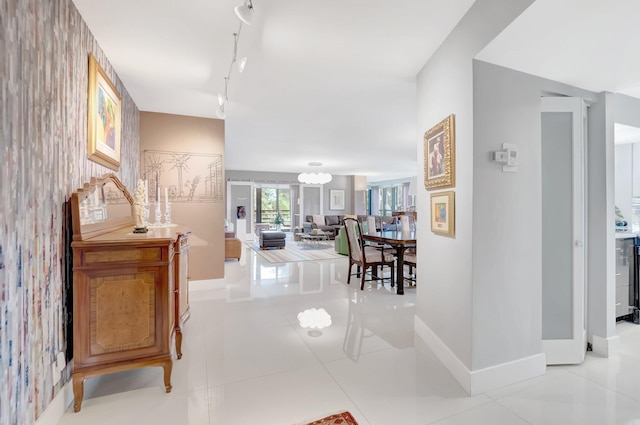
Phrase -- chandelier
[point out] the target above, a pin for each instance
(314, 178)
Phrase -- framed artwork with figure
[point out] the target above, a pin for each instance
(104, 117)
(439, 155)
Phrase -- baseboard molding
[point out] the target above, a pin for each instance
(52, 415)
(605, 347)
(490, 378)
(481, 380)
(453, 364)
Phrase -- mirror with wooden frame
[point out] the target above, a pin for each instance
(100, 206)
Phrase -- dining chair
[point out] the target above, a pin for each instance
(371, 223)
(410, 259)
(405, 223)
(366, 257)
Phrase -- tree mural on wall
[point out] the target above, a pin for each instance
(152, 171)
(180, 161)
(189, 176)
(192, 187)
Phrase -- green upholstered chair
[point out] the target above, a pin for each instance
(341, 244)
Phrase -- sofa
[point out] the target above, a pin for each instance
(333, 223)
(327, 223)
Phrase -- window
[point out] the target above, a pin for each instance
(272, 202)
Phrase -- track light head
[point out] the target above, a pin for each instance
(242, 63)
(245, 12)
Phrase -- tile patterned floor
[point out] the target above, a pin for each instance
(248, 362)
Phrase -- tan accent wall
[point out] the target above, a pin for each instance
(187, 155)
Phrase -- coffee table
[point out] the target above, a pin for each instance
(314, 239)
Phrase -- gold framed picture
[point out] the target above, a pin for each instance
(443, 213)
(104, 123)
(439, 155)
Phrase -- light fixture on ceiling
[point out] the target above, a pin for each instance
(224, 98)
(220, 113)
(245, 12)
(242, 64)
(314, 178)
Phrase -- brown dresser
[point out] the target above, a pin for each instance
(130, 291)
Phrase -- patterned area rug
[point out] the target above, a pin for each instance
(297, 251)
(343, 418)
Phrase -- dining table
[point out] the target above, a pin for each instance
(400, 240)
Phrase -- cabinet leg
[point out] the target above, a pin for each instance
(179, 343)
(167, 366)
(78, 393)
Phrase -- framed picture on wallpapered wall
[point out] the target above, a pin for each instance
(440, 155)
(443, 213)
(104, 118)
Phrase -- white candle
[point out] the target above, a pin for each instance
(166, 196)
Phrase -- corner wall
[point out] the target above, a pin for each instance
(447, 293)
(187, 155)
(445, 86)
(43, 152)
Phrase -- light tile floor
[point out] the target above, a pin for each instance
(248, 362)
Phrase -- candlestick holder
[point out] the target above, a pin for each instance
(146, 214)
(158, 222)
(167, 213)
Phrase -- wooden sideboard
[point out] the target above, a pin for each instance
(130, 291)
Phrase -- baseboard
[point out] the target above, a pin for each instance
(481, 380)
(52, 415)
(490, 378)
(453, 364)
(605, 347)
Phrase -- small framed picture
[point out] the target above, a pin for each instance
(336, 199)
(440, 155)
(443, 213)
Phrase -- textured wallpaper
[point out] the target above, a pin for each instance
(44, 48)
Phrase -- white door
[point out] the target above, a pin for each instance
(563, 230)
(310, 200)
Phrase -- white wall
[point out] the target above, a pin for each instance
(600, 229)
(479, 301)
(624, 158)
(507, 234)
(446, 289)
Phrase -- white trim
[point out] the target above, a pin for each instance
(52, 415)
(482, 380)
(453, 364)
(606, 347)
(492, 377)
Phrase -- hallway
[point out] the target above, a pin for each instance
(248, 361)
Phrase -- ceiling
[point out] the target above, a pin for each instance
(334, 81)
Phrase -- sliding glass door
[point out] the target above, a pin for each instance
(273, 205)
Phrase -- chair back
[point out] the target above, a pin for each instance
(352, 227)
(406, 223)
(371, 224)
